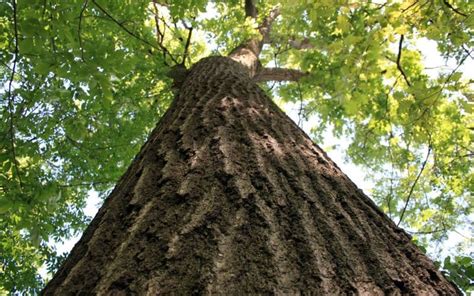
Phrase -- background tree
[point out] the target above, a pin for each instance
(85, 81)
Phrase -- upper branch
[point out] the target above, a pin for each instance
(84, 6)
(399, 56)
(188, 42)
(454, 8)
(412, 188)
(250, 9)
(278, 74)
(266, 26)
(248, 52)
(10, 95)
(120, 24)
(300, 44)
(160, 36)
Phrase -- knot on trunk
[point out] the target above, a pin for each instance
(247, 55)
(178, 73)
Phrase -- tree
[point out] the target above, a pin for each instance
(228, 196)
(73, 72)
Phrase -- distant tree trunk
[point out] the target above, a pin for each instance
(230, 197)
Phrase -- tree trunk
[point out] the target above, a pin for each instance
(230, 197)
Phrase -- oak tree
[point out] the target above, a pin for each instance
(85, 81)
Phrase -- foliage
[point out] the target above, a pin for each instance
(460, 270)
(83, 82)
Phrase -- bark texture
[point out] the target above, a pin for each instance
(229, 197)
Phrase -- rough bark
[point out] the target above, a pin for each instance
(229, 197)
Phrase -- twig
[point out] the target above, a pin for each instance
(160, 36)
(390, 195)
(10, 96)
(427, 232)
(410, 6)
(380, 6)
(399, 66)
(82, 146)
(300, 111)
(461, 62)
(300, 44)
(468, 52)
(85, 184)
(414, 184)
(453, 8)
(161, 17)
(159, 47)
(51, 22)
(79, 28)
(275, 60)
(439, 92)
(6, 65)
(465, 236)
(43, 13)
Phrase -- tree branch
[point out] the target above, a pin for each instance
(301, 108)
(399, 56)
(79, 29)
(247, 53)
(188, 42)
(412, 188)
(160, 36)
(300, 44)
(440, 91)
(410, 6)
(453, 8)
(10, 95)
(279, 74)
(120, 24)
(86, 184)
(468, 52)
(250, 9)
(266, 26)
(427, 232)
(461, 62)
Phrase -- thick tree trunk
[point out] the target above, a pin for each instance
(230, 197)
